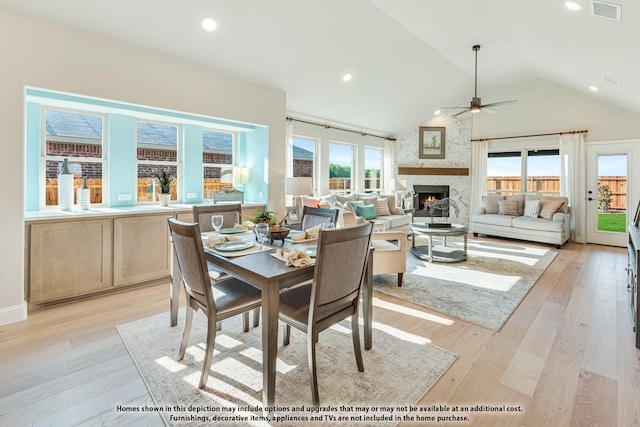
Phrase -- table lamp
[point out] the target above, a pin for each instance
(299, 186)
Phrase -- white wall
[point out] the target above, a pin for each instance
(51, 57)
(545, 107)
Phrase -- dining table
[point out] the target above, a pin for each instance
(270, 274)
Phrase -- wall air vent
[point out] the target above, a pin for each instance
(605, 10)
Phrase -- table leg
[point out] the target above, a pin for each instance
(465, 246)
(367, 303)
(174, 295)
(270, 311)
(430, 248)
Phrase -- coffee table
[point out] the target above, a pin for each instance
(439, 253)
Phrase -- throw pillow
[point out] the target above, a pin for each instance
(520, 199)
(366, 211)
(368, 200)
(312, 202)
(532, 208)
(508, 207)
(382, 207)
(491, 203)
(324, 204)
(351, 205)
(549, 207)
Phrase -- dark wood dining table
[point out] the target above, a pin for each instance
(271, 275)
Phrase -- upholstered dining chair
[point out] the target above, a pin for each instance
(231, 215)
(317, 216)
(332, 296)
(390, 253)
(226, 299)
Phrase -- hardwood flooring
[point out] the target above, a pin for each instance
(566, 357)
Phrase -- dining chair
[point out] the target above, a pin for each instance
(227, 298)
(231, 215)
(332, 296)
(317, 216)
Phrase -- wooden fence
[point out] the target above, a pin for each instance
(551, 185)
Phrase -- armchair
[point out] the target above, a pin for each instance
(390, 253)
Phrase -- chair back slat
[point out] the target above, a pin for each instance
(317, 216)
(341, 261)
(230, 215)
(187, 244)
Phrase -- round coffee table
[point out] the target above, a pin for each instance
(439, 253)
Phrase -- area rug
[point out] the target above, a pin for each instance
(399, 370)
(484, 290)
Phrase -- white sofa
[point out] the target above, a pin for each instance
(396, 219)
(549, 224)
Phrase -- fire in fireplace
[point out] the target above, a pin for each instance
(425, 193)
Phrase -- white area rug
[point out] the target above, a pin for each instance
(484, 290)
(399, 370)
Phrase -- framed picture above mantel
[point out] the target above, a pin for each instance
(431, 142)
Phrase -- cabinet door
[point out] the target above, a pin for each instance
(140, 249)
(69, 258)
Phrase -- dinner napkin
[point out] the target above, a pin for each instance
(296, 257)
(309, 234)
(214, 240)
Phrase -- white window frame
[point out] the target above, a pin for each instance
(44, 157)
(524, 172)
(381, 179)
(315, 167)
(177, 163)
(354, 167)
(234, 158)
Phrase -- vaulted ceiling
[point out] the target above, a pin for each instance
(407, 57)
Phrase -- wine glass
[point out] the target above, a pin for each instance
(216, 222)
(262, 230)
(327, 225)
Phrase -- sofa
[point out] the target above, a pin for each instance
(544, 219)
(359, 207)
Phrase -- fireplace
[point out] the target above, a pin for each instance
(424, 193)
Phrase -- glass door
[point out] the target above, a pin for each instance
(607, 188)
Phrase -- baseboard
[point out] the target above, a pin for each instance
(15, 313)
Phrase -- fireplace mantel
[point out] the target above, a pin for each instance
(408, 170)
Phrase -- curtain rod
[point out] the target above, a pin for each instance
(530, 136)
(326, 126)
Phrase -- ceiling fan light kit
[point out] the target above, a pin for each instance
(476, 102)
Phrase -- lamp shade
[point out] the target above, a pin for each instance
(240, 175)
(299, 185)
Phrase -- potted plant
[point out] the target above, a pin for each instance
(164, 179)
(263, 215)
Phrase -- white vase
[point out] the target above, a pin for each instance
(65, 188)
(164, 198)
(84, 195)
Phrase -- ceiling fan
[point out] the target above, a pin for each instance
(476, 102)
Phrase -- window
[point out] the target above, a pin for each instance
(157, 148)
(341, 166)
(217, 160)
(372, 169)
(78, 137)
(304, 158)
(535, 171)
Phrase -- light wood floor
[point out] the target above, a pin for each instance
(566, 356)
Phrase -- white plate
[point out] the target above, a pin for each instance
(232, 230)
(311, 251)
(233, 246)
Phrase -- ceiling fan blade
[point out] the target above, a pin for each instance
(461, 112)
(501, 103)
(489, 110)
(447, 108)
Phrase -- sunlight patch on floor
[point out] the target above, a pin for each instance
(170, 364)
(478, 279)
(411, 312)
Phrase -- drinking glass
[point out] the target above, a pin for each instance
(216, 222)
(262, 230)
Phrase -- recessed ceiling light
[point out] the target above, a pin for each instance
(572, 5)
(209, 24)
(593, 88)
(437, 112)
(347, 77)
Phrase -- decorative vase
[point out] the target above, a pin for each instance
(65, 187)
(164, 198)
(84, 195)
